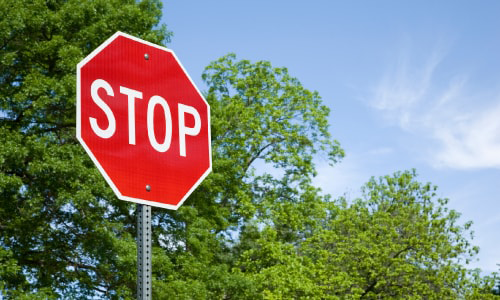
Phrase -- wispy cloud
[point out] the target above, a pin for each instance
(458, 121)
(472, 141)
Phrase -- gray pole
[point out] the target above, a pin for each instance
(144, 253)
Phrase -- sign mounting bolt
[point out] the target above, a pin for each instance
(146, 56)
(148, 187)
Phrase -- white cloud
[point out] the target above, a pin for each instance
(404, 85)
(459, 128)
(472, 141)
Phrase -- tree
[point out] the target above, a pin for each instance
(260, 114)
(496, 288)
(61, 230)
(398, 241)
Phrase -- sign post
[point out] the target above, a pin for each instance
(144, 252)
(146, 127)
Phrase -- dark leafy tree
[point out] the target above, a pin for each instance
(61, 230)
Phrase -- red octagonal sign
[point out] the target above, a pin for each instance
(143, 121)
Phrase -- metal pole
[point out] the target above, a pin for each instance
(144, 253)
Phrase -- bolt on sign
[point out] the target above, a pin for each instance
(143, 121)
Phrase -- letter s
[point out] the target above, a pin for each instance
(108, 132)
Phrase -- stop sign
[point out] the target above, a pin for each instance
(143, 121)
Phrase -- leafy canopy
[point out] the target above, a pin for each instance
(61, 229)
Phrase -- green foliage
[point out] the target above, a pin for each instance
(397, 241)
(260, 114)
(62, 231)
(496, 288)
(255, 229)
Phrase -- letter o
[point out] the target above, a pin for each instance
(153, 101)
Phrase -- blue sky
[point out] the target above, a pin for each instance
(410, 85)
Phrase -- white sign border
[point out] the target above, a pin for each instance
(79, 66)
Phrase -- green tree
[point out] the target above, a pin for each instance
(260, 114)
(61, 230)
(496, 288)
(397, 241)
